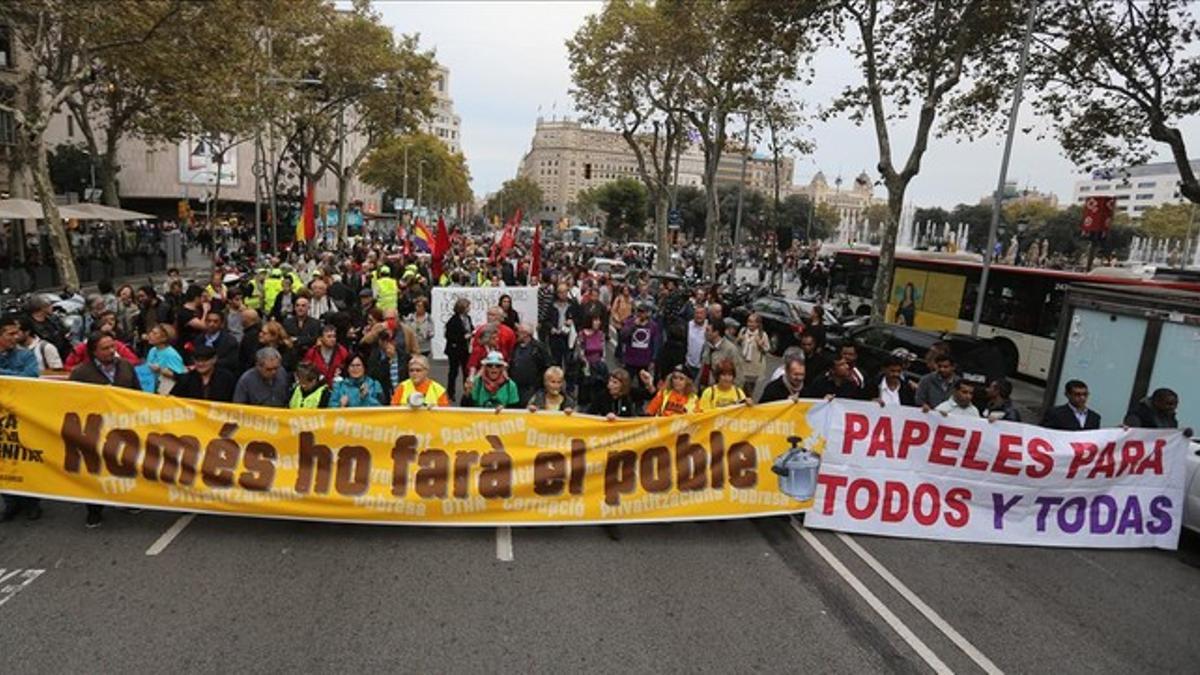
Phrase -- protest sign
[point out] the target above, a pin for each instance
(442, 308)
(106, 445)
(902, 472)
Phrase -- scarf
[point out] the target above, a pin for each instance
(493, 385)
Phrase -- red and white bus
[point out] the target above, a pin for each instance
(1022, 304)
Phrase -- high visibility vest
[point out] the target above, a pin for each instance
(271, 288)
(432, 395)
(386, 292)
(313, 400)
(255, 299)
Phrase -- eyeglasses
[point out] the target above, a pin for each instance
(493, 365)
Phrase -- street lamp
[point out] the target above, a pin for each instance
(420, 182)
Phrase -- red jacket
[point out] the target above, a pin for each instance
(331, 369)
(507, 340)
(79, 355)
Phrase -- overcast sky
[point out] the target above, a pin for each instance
(508, 58)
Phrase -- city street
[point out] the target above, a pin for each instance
(257, 595)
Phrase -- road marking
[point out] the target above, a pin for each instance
(934, 618)
(504, 549)
(875, 603)
(169, 536)
(14, 581)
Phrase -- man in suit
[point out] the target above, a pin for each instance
(1074, 414)
(222, 341)
(103, 366)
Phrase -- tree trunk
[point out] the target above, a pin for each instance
(712, 216)
(108, 170)
(60, 245)
(887, 252)
(343, 189)
(662, 233)
(216, 198)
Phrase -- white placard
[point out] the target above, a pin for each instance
(901, 472)
(524, 300)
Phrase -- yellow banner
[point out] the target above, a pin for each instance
(94, 444)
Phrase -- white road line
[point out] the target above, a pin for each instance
(14, 581)
(169, 536)
(504, 549)
(934, 618)
(876, 604)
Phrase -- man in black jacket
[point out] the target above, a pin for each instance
(205, 381)
(221, 341)
(788, 385)
(1074, 414)
(1156, 412)
(530, 359)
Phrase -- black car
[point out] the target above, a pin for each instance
(979, 359)
(782, 319)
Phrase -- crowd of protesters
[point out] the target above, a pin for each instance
(353, 328)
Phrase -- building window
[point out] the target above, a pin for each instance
(1139, 208)
(6, 60)
(1122, 198)
(1146, 196)
(1147, 184)
(1102, 187)
(70, 126)
(8, 124)
(149, 161)
(1084, 188)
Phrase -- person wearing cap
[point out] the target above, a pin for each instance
(491, 388)
(677, 396)
(255, 297)
(387, 291)
(419, 390)
(271, 288)
(204, 381)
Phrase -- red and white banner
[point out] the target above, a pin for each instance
(902, 472)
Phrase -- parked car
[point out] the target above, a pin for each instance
(615, 269)
(979, 359)
(781, 318)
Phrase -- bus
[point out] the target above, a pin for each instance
(1022, 306)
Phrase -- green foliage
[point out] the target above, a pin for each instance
(444, 177)
(70, 168)
(519, 193)
(625, 203)
(1168, 221)
(807, 223)
(1115, 76)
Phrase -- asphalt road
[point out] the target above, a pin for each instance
(268, 596)
(157, 591)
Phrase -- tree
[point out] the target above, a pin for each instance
(624, 202)
(625, 74)
(444, 180)
(1030, 212)
(693, 210)
(1168, 221)
(71, 167)
(1116, 75)
(586, 205)
(736, 55)
(915, 54)
(62, 41)
(519, 193)
(371, 85)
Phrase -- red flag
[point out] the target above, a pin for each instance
(441, 245)
(1098, 216)
(535, 262)
(509, 238)
(306, 225)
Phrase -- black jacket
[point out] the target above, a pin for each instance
(1063, 418)
(824, 386)
(1143, 415)
(220, 386)
(603, 404)
(776, 390)
(458, 336)
(527, 365)
(908, 396)
(228, 350)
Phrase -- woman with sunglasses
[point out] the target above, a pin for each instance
(677, 396)
(491, 387)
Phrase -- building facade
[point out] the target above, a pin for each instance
(1024, 196)
(1136, 188)
(445, 124)
(566, 158)
(850, 201)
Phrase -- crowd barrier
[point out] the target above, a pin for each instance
(854, 467)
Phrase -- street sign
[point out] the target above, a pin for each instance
(397, 204)
(674, 218)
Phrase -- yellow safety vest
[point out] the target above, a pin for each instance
(255, 299)
(271, 288)
(313, 400)
(386, 293)
(432, 395)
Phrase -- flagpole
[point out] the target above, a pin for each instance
(998, 197)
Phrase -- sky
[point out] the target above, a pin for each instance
(508, 58)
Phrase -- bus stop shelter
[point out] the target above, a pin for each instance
(1125, 342)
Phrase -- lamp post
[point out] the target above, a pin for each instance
(998, 197)
(737, 220)
(420, 182)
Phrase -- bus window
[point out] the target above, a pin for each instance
(1014, 301)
